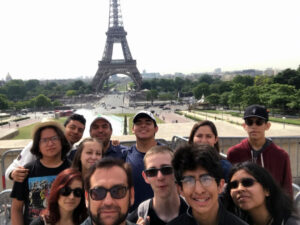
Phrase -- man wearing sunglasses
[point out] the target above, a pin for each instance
(108, 192)
(261, 150)
(166, 203)
(144, 129)
(198, 173)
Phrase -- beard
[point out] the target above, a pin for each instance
(96, 219)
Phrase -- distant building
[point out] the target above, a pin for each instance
(217, 71)
(271, 72)
(146, 75)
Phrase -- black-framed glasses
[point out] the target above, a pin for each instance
(204, 179)
(258, 122)
(165, 170)
(116, 192)
(246, 182)
(66, 191)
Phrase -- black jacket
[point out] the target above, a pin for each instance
(224, 217)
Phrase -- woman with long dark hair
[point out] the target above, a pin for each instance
(205, 132)
(66, 203)
(253, 194)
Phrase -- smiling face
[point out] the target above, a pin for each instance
(101, 130)
(109, 210)
(69, 203)
(248, 198)
(204, 135)
(91, 153)
(162, 185)
(50, 144)
(74, 131)
(144, 128)
(202, 199)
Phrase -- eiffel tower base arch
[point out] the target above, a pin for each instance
(107, 69)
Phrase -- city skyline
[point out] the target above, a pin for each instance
(65, 39)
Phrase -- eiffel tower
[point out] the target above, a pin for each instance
(107, 66)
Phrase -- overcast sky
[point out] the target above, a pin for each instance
(47, 39)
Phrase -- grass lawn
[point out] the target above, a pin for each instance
(25, 132)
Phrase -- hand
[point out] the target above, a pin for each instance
(115, 142)
(141, 221)
(19, 174)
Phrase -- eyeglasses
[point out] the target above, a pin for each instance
(204, 179)
(116, 192)
(66, 191)
(246, 182)
(53, 139)
(258, 122)
(165, 170)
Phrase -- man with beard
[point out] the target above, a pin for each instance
(101, 129)
(108, 192)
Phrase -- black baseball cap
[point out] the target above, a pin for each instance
(256, 111)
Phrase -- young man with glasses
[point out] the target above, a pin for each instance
(261, 150)
(166, 203)
(108, 192)
(198, 174)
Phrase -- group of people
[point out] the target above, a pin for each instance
(57, 182)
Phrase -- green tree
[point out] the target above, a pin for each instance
(288, 76)
(244, 80)
(262, 80)
(71, 93)
(202, 88)
(42, 102)
(251, 96)
(224, 98)
(281, 95)
(16, 90)
(213, 99)
(235, 97)
(3, 102)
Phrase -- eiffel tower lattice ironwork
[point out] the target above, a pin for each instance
(107, 66)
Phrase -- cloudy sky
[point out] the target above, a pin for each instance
(46, 39)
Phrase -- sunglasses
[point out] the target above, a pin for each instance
(66, 191)
(165, 170)
(116, 192)
(258, 122)
(246, 182)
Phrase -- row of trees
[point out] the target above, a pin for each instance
(279, 92)
(19, 94)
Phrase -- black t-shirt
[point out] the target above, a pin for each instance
(38, 221)
(154, 219)
(36, 187)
